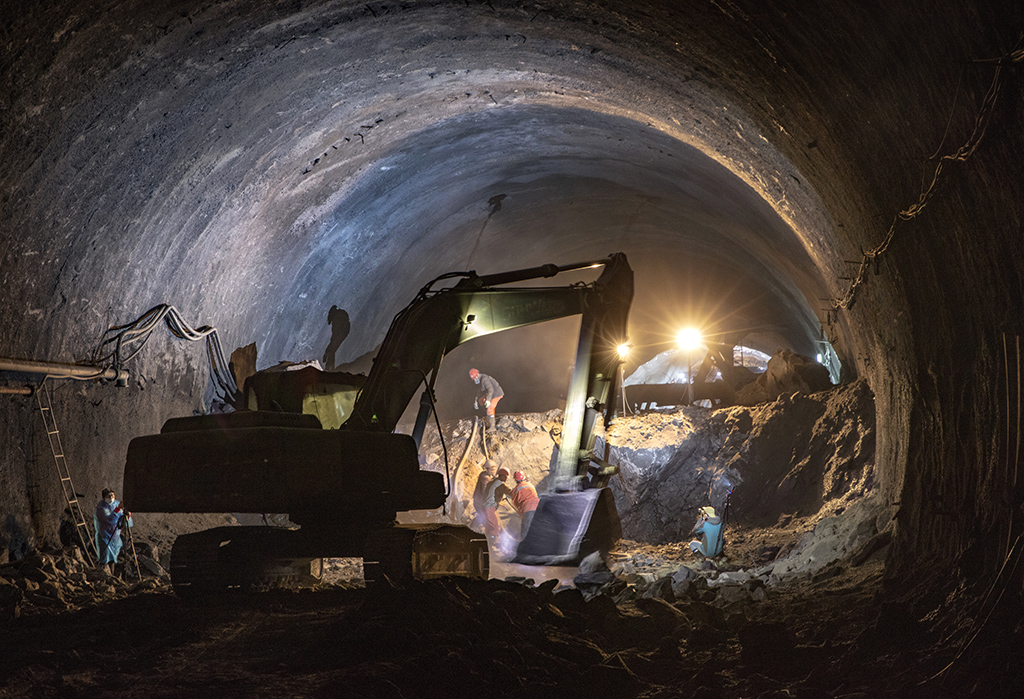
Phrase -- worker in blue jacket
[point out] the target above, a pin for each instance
(109, 518)
(710, 537)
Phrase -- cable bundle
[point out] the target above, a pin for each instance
(123, 343)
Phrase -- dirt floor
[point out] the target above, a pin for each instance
(809, 637)
(798, 605)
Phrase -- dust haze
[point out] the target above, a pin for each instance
(533, 365)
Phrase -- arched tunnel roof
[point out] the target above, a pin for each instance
(256, 163)
(282, 164)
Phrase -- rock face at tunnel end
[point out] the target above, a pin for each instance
(800, 455)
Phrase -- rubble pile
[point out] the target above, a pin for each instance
(448, 637)
(682, 635)
(62, 581)
(807, 456)
(797, 474)
(787, 373)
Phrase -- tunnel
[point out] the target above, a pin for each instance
(789, 174)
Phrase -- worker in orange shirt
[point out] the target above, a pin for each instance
(524, 500)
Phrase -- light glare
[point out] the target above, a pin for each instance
(689, 338)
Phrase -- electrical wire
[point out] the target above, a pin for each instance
(965, 151)
(976, 628)
(122, 343)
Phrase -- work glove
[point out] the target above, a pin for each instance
(487, 403)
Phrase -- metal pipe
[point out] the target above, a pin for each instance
(541, 272)
(56, 370)
(16, 390)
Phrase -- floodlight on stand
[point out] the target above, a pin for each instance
(689, 339)
(623, 351)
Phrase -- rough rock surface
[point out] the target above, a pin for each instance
(787, 372)
(797, 457)
(725, 635)
(790, 465)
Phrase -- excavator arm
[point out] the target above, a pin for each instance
(438, 321)
(579, 516)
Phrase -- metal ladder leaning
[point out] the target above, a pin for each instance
(82, 528)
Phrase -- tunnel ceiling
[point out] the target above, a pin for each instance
(256, 165)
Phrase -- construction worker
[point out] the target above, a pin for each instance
(493, 496)
(109, 518)
(489, 393)
(66, 532)
(487, 473)
(710, 538)
(524, 500)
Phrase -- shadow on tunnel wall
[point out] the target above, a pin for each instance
(341, 326)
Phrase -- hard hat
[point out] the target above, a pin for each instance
(473, 373)
(502, 473)
(519, 476)
(707, 511)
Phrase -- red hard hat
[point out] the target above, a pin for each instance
(473, 373)
(519, 476)
(502, 473)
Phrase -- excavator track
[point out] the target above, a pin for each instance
(400, 554)
(252, 559)
(237, 559)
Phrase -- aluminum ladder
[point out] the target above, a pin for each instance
(82, 528)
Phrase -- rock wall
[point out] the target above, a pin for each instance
(800, 455)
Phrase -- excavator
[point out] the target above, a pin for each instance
(322, 448)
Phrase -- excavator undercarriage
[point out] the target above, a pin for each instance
(247, 559)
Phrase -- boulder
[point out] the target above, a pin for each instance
(26, 584)
(732, 594)
(150, 567)
(787, 373)
(660, 589)
(593, 563)
(97, 575)
(660, 610)
(51, 590)
(683, 582)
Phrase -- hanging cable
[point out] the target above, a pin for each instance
(965, 151)
(122, 343)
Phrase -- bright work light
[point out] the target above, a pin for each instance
(689, 339)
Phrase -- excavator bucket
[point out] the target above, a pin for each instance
(568, 527)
